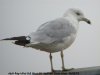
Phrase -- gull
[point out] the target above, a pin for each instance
(55, 35)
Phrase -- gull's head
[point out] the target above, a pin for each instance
(77, 14)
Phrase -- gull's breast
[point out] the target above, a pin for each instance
(67, 42)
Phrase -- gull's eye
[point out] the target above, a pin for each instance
(78, 13)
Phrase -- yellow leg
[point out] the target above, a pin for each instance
(62, 58)
(51, 62)
(63, 66)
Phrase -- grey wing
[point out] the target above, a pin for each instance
(53, 31)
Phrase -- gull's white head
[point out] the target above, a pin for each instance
(77, 14)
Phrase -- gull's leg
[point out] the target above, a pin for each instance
(51, 62)
(63, 66)
(62, 58)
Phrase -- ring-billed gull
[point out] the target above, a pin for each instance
(55, 35)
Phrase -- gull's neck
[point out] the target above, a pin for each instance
(72, 19)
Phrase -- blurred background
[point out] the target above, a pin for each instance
(20, 17)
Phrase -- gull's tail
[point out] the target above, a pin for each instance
(21, 40)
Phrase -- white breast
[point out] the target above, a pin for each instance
(67, 42)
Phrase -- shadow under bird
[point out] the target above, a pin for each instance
(55, 35)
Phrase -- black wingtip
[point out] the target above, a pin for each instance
(16, 38)
(21, 40)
